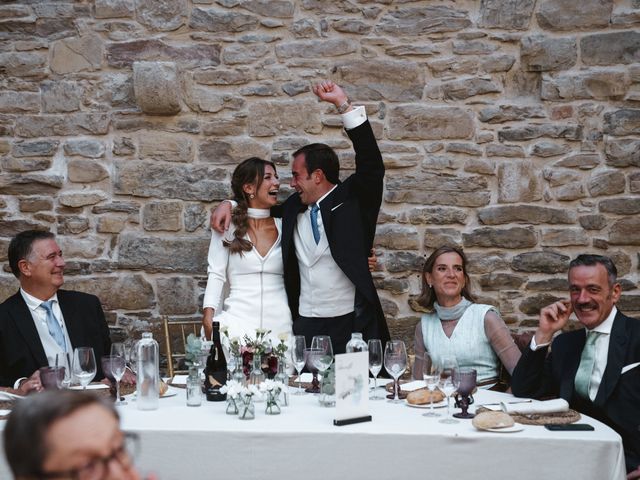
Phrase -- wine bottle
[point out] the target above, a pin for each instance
(216, 369)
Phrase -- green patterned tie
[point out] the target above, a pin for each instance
(587, 361)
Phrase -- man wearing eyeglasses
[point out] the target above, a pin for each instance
(68, 435)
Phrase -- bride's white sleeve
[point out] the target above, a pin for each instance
(218, 259)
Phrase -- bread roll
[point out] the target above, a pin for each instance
(163, 388)
(423, 396)
(487, 420)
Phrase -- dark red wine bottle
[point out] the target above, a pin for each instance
(216, 369)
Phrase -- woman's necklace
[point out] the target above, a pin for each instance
(258, 212)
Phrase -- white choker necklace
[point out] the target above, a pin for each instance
(258, 212)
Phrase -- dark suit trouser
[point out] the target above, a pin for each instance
(338, 328)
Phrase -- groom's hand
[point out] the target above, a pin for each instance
(221, 217)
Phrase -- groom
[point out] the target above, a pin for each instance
(328, 228)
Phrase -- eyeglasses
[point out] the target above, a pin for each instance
(97, 468)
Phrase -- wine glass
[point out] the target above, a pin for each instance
(84, 365)
(132, 357)
(431, 376)
(298, 346)
(308, 360)
(115, 365)
(449, 383)
(375, 364)
(63, 360)
(322, 358)
(467, 378)
(395, 362)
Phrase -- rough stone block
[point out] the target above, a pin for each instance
(314, 49)
(570, 192)
(501, 281)
(625, 121)
(483, 167)
(586, 14)
(509, 151)
(86, 171)
(62, 125)
(624, 152)
(620, 206)
(486, 261)
(193, 55)
(415, 21)
(113, 224)
(549, 285)
(506, 14)
(17, 102)
(81, 199)
(79, 54)
(436, 216)
(582, 161)
(560, 176)
(35, 148)
(446, 67)
(23, 64)
(606, 183)
(529, 214)
(222, 127)
(438, 189)
(541, 262)
(230, 151)
(546, 149)
(156, 87)
(519, 181)
(60, 96)
(396, 237)
(245, 54)
(349, 25)
(469, 87)
(281, 118)
(74, 247)
(186, 254)
(533, 304)
(27, 164)
(515, 237)
(84, 147)
(497, 63)
(35, 204)
(436, 237)
(374, 79)
(403, 262)
(114, 8)
(165, 148)
(634, 182)
(195, 216)
(29, 184)
(130, 292)
(416, 122)
(177, 296)
(610, 48)
(510, 113)
(564, 237)
(164, 16)
(597, 85)
(8, 286)
(221, 21)
(625, 231)
(532, 131)
(162, 216)
(185, 182)
(72, 224)
(10, 228)
(542, 54)
(593, 222)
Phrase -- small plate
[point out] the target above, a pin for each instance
(513, 429)
(171, 392)
(440, 404)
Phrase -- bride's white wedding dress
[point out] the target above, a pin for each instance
(257, 297)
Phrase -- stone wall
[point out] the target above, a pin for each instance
(510, 127)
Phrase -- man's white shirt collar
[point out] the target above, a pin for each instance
(606, 326)
(33, 302)
(321, 198)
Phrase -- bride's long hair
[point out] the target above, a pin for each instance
(251, 171)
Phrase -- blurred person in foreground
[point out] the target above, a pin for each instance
(474, 333)
(68, 435)
(41, 320)
(596, 369)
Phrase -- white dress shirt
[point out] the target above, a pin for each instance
(39, 315)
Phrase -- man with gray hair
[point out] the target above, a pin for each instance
(64, 434)
(41, 321)
(596, 369)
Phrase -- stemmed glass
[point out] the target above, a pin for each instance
(84, 365)
(132, 357)
(449, 383)
(375, 364)
(322, 358)
(308, 360)
(63, 360)
(395, 362)
(467, 382)
(298, 346)
(115, 365)
(431, 376)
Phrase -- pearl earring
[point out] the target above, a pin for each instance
(252, 196)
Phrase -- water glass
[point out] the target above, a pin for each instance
(194, 391)
(52, 377)
(395, 362)
(298, 346)
(84, 365)
(431, 376)
(375, 364)
(449, 383)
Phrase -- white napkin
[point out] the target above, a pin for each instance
(179, 380)
(6, 396)
(546, 406)
(411, 386)
(4, 412)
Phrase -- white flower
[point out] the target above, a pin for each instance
(233, 388)
(224, 330)
(261, 331)
(283, 337)
(250, 390)
(235, 340)
(270, 385)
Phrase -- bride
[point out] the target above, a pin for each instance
(248, 257)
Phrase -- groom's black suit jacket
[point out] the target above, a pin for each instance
(21, 352)
(617, 402)
(349, 216)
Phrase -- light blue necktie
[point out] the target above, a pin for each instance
(587, 362)
(54, 327)
(314, 222)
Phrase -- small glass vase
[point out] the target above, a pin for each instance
(257, 376)
(272, 403)
(282, 378)
(232, 405)
(238, 374)
(246, 408)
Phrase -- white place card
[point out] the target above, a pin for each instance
(352, 388)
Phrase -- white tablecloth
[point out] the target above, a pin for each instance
(180, 442)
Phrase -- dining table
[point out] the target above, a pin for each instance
(180, 442)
